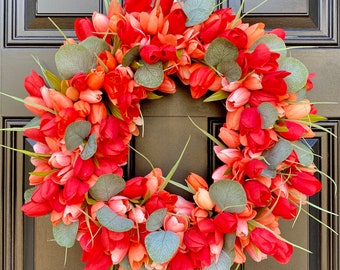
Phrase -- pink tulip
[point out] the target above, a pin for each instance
(91, 96)
(238, 98)
(100, 22)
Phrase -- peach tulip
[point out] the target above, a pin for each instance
(203, 200)
(196, 182)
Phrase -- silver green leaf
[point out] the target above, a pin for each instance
(113, 221)
(107, 186)
(278, 153)
(224, 262)
(269, 114)
(219, 52)
(71, 59)
(231, 70)
(75, 134)
(90, 147)
(273, 42)
(156, 219)
(130, 56)
(95, 45)
(28, 194)
(65, 235)
(161, 245)
(304, 153)
(150, 76)
(228, 195)
(197, 11)
(299, 73)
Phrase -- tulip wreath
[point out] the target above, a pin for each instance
(86, 116)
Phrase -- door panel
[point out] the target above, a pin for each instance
(26, 243)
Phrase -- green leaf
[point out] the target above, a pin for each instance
(299, 73)
(219, 95)
(230, 69)
(304, 153)
(220, 51)
(273, 42)
(75, 134)
(269, 114)
(112, 221)
(90, 147)
(313, 118)
(152, 95)
(278, 153)
(228, 195)
(71, 59)
(95, 45)
(130, 56)
(156, 219)
(198, 11)
(150, 76)
(107, 186)
(224, 262)
(161, 245)
(53, 80)
(28, 194)
(65, 235)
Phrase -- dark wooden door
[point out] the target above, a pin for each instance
(27, 244)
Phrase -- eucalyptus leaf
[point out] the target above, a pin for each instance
(113, 221)
(230, 69)
(95, 45)
(34, 122)
(273, 42)
(228, 195)
(71, 59)
(197, 11)
(304, 153)
(28, 194)
(90, 147)
(229, 241)
(107, 186)
(130, 56)
(268, 173)
(65, 235)
(219, 95)
(299, 73)
(269, 114)
(161, 245)
(224, 262)
(75, 134)
(278, 153)
(156, 219)
(150, 76)
(220, 51)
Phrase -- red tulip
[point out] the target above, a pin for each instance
(84, 28)
(137, 5)
(305, 183)
(177, 19)
(33, 83)
(257, 193)
(283, 208)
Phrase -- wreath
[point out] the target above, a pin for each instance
(86, 116)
